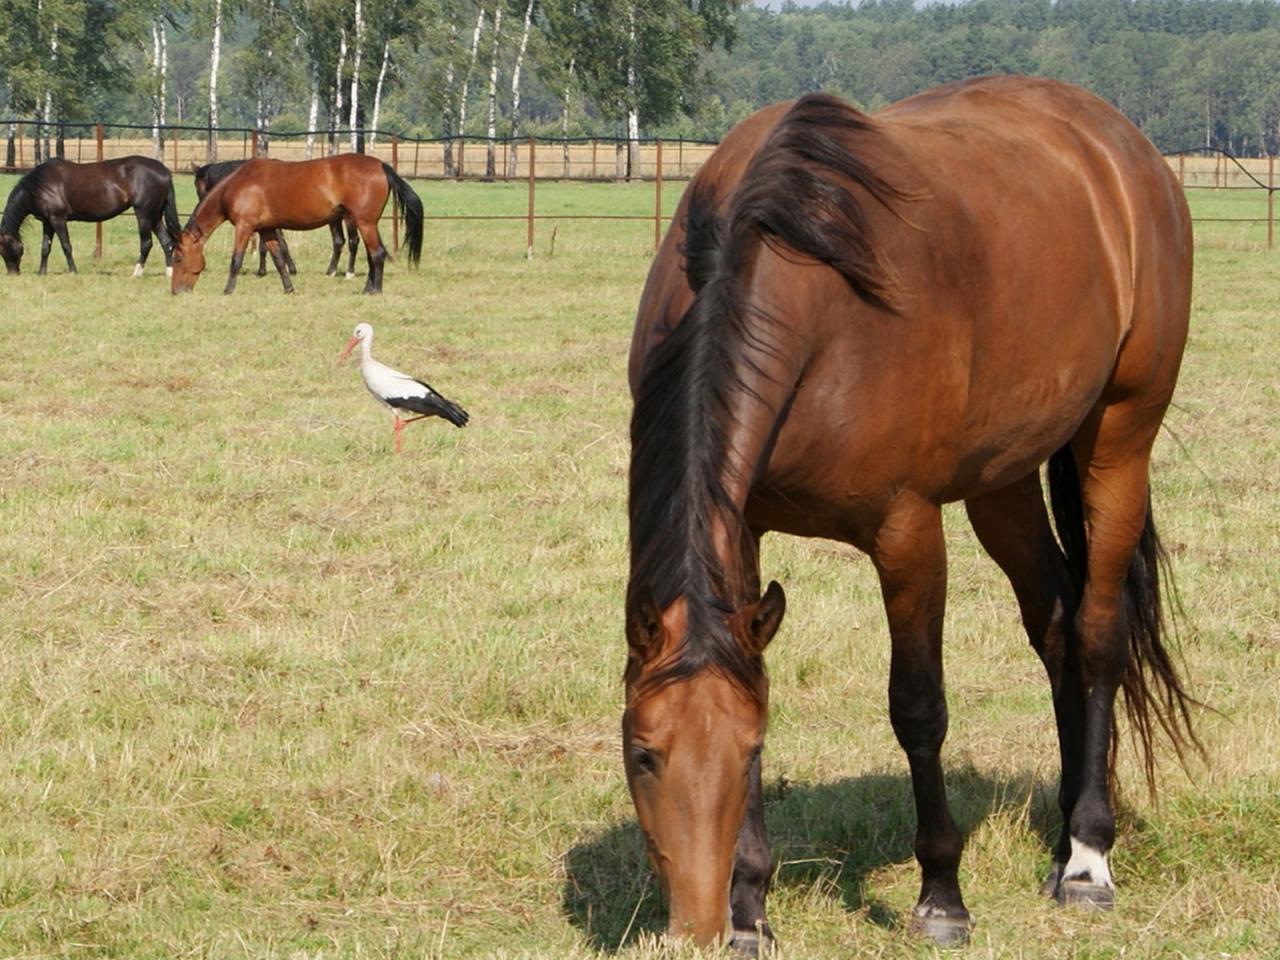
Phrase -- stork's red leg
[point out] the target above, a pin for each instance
(399, 428)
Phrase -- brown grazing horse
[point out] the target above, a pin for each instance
(272, 195)
(58, 191)
(209, 174)
(854, 320)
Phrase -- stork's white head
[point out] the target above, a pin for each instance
(363, 333)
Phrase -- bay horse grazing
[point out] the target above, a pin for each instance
(854, 320)
(58, 191)
(209, 174)
(272, 195)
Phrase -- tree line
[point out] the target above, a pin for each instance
(1188, 72)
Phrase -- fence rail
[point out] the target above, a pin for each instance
(185, 147)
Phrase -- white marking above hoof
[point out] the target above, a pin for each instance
(168, 271)
(137, 270)
(1086, 863)
(349, 275)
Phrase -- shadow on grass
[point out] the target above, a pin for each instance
(836, 834)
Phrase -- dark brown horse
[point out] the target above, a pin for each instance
(58, 191)
(272, 195)
(854, 320)
(211, 173)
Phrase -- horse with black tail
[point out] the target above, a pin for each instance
(58, 191)
(853, 320)
(265, 196)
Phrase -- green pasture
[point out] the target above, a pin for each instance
(270, 690)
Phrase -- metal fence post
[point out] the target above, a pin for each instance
(97, 248)
(532, 178)
(1271, 195)
(657, 207)
(395, 203)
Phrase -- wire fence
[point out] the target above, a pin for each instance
(184, 148)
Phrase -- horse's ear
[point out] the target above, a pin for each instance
(644, 626)
(766, 617)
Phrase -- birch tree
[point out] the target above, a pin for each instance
(466, 76)
(215, 58)
(492, 127)
(515, 88)
(357, 53)
(159, 74)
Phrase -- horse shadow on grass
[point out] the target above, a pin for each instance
(833, 834)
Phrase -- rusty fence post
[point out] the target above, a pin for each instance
(1271, 196)
(657, 206)
(253, 144)
(97, 247)
(532, 178)
(395, 202)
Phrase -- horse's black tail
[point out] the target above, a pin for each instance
(411, 204)
(171, 221)
(1154, 695)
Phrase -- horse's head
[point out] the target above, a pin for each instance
(689, 740)
(188, 261)
(11, 251)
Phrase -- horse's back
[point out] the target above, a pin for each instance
(1041, 263)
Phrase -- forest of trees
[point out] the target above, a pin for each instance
(1189, 72)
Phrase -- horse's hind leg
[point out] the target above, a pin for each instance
(1013, 527)
(377, 254)
(910, 557)
(144, 245)
(262, 254)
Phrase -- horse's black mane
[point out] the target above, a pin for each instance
(26, 195)
(795, 195)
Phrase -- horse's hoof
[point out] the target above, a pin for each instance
(753, 943)
(945, 931)
(1085, 895)
(1052, 881)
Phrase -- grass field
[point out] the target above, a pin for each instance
(273, 691)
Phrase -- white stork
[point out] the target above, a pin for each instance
(399, 391)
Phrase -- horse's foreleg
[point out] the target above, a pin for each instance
(271, 243)
(262, 253)
(64, 238)
(752, 872)
(910, 557)
(1013, 527)
(46, 244)
(243, 234)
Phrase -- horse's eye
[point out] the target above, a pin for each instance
(644, 760)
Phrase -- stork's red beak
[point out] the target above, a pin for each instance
(346, 351)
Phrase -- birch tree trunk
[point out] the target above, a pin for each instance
(466, 77)
(215, 57)
(633, 97)
(490, 164)
(313, 114)
(377, 93)
(336, 112)
(356, 54)
(446, 119)
(515, 89)
(48, 93)
(159, 64)
(564, 116)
